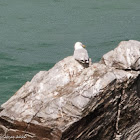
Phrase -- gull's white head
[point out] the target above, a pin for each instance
(79, 45)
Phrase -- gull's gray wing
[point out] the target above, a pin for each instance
(81, 55)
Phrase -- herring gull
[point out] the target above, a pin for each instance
(80, 53)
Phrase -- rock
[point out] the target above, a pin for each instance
(71, 102)
(125, 56)
(132, 133)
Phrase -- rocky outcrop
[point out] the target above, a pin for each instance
(71, 102)
(127, 59)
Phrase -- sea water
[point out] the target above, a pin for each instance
(36, 34)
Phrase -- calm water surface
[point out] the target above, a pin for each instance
(35, 34)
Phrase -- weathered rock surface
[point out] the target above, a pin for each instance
(128, 58)
(71, 102)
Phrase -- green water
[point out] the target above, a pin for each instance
(35, 34)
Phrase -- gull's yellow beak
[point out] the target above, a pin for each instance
(83, 46)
